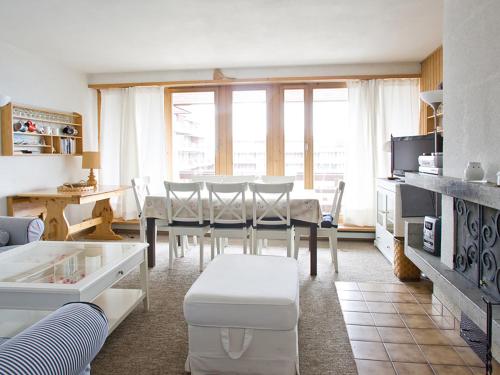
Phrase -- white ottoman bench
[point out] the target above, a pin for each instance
(242, 315)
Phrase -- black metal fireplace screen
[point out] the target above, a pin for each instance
(477, 245)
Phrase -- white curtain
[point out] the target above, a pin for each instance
(377, 109)
(133, 142)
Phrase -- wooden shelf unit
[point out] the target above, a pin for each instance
(49, 144)
(430, 119)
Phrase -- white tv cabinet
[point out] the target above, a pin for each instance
(389, 223)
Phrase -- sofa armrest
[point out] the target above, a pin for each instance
(22, 230)
(63, 343)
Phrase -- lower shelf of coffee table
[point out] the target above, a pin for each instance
(116, 303)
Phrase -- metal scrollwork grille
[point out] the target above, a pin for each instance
(466, 239)
(490, 252)
(477, 245)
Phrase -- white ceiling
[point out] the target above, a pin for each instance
(96, 36)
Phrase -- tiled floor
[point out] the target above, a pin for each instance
(400, 329)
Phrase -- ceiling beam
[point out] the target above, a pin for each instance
(243, 81)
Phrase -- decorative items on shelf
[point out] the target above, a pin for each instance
(70, 130)
(67, 146)
(28, 126)
(22, 140)
(474, 172)
(30, 130)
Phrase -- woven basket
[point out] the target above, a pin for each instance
(404, 269)
(79, 187)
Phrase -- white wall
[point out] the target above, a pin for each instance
(30, 79)
(292, 71)
(471, 46)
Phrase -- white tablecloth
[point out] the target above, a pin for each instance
(304, 206)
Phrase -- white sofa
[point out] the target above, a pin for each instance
(242, 316)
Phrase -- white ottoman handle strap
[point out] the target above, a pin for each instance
(225, 339)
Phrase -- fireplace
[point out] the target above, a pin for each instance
(467, 275)
(477, 245)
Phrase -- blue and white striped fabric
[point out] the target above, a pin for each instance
(63, 343)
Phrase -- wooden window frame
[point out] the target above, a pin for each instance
(271, 113)
(275, 138)
(170, 124)
(308, 125)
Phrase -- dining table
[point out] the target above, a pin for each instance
(305, 211)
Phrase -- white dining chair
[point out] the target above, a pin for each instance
(185, 214)
(328, 227)
(228, 215)
(140, 186)
(277, 179)
(204, 179)
(271, 214)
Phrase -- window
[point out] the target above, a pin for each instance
(293, 121)
(193, 134)
(330, 111)
(254, 130)
(249, 129)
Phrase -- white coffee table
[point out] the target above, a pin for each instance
(39, 277)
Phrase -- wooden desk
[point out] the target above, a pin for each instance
(57, 227)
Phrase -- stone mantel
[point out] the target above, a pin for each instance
(486, 194)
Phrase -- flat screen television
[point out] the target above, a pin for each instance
(406, 150)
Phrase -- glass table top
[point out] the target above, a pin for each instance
(57, 262)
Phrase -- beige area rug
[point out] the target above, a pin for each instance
(155, 342)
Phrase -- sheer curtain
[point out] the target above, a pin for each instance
(377, 109)
(133, 142)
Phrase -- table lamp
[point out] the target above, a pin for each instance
(91, 160)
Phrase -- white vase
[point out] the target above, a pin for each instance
(474, 171)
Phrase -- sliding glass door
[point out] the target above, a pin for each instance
(193, 133)
(249, 131)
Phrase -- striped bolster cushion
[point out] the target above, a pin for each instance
(63, 343)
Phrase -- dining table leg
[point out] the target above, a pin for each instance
(313, 248)
(151, 240)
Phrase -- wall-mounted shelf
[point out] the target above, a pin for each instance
(438, 115)
(37, 144)
(47, 135)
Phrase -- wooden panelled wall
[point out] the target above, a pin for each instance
(431, 77)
